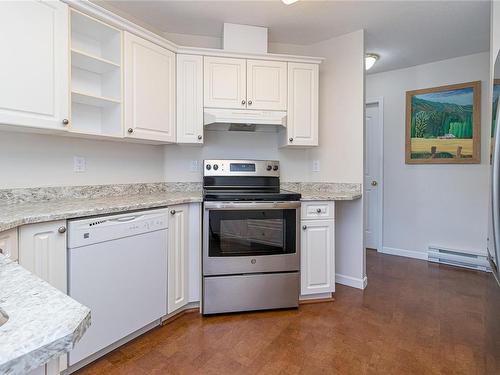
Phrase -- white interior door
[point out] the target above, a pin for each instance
(372, 177)
(34, 63)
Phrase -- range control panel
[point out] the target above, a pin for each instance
(241, 168)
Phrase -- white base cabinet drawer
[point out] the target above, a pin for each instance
(318, 210)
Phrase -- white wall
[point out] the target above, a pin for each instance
(32, 160)
(341, 133)
(443, 205)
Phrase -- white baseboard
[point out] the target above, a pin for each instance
(353, 282)
(405, 253)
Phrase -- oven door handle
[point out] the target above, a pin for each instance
(250, 205)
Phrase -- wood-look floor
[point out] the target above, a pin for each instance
(414, 318)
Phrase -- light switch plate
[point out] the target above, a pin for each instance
(315, 166)
(79, 164)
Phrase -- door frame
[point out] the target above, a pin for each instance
(380, 102)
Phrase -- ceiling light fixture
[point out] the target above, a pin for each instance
(289, 2)
(370, 60)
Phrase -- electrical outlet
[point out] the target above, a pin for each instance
(79, 164)
(195, 166)
(315, 166)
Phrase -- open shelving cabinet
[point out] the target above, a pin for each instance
(96, 77)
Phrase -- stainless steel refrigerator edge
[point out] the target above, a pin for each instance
(494, 219)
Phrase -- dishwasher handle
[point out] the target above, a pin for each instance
(126, 219)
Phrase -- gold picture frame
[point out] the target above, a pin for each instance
(443, 124)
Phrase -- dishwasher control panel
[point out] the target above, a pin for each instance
(83, 232)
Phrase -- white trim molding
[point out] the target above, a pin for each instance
(353, 282)
(405, 253)
(119, 22)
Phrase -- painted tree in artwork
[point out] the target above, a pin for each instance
(421, 120)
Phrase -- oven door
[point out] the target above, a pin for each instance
(250, 237)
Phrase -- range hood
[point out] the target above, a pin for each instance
(243, 120)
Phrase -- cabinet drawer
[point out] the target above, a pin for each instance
(318, 210)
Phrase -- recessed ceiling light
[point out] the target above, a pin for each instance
(288, 2)
(370, 60)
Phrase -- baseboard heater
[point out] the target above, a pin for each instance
(459, 258)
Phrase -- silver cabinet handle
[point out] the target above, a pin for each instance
(243, 102)
(62, 229)
(290, 139)
(65, 122)
(304, 227)
(249, 102)
(172, 212)
(318, 210)
(200, 137)
(130, 130)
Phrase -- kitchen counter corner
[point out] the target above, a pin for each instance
(43, 323)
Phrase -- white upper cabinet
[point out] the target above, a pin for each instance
(266, 85)
(149, 90)
(302, 120)
(34, 64)
(224, 82)
(189, 99)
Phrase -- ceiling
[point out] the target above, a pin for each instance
(403, 33)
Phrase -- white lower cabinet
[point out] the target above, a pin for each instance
(42, 251)
(9, 244)
(178, 257)
(317, 257)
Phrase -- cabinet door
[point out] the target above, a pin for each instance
(149, 90)
(9, 244)
(317, 270)
(42, 250)
(302, 120)
(178, 262)
(34, 65)
(189, 99)
(224, 82)
(266, 85)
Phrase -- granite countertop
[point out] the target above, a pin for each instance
(25, 206)
(312, 195)
(14, 215)
(43, 323)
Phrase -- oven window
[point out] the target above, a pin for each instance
(251, 232)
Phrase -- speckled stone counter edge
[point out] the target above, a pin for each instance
(44, 194)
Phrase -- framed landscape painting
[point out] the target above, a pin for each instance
(443, 124)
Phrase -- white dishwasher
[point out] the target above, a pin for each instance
(117, 266)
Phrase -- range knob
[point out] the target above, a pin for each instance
(208, 167)
(269, 167)
(275, 168)
(216, 167)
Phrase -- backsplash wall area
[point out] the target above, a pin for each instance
(234, 145)
(33, 160)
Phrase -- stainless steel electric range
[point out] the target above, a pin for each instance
(251, 239)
